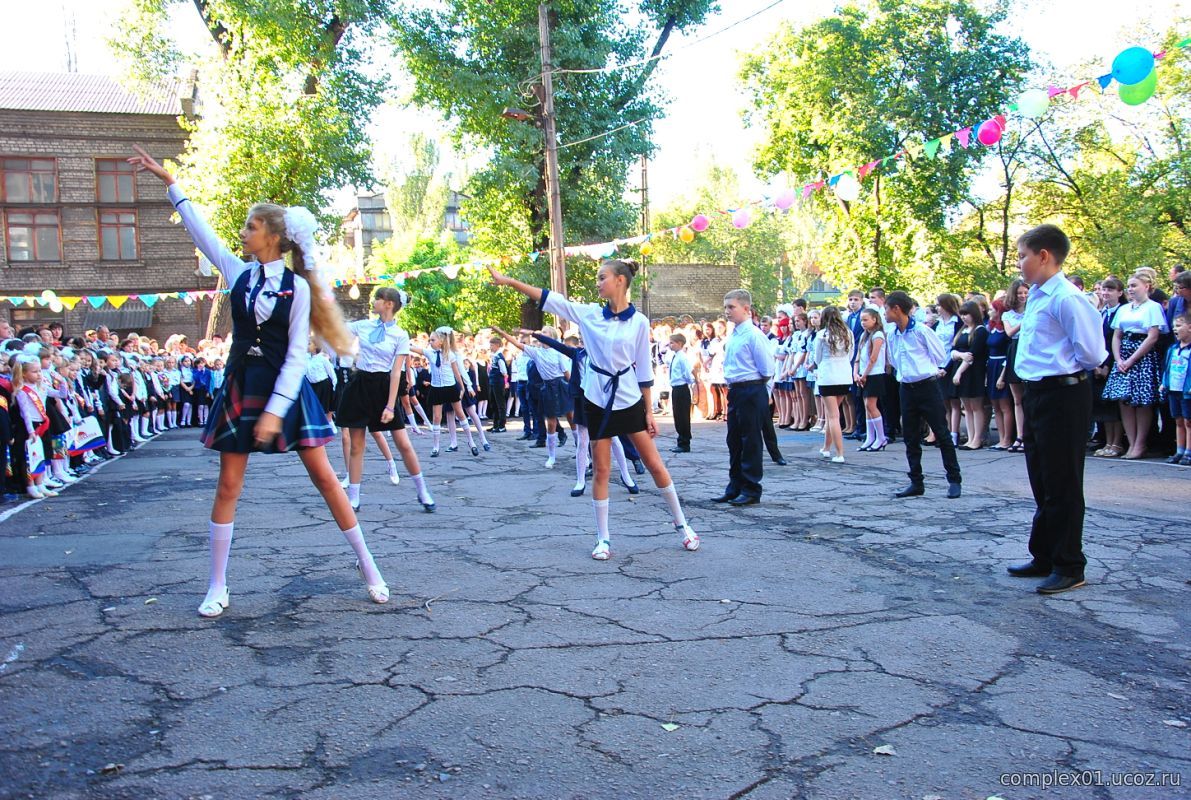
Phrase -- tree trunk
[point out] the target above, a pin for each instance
(219, 321)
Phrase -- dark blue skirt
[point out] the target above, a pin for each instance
(556, 398)
(239, 404)
(995, 367)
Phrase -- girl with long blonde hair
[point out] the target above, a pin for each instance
(266, 404)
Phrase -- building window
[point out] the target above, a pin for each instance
(376, 220)
(29, 180)
(117, 235)
(33, 235)
(116, 181)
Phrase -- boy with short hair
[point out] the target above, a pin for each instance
(498, 373)
(1176, 385)
(681, 380)
(748, 366)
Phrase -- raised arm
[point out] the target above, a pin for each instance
(550, 302)
(508, 338)
(204, 237)
(562, 347)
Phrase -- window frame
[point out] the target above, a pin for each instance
(30, 172)
(118, 172)
(100, 225)
(34, 211)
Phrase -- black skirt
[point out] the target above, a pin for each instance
(364, 400)
(1010, 361)
(324, 390)
(874, 385)
(622, 422)
(443, 395)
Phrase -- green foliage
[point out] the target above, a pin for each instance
(416, 196)
(470, 59)
(865, 83)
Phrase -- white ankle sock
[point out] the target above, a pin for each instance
(670, 495)
(392, 465)
(423, 492)
(353, 493)
(601, 515)
(355, 537)
(221, 547)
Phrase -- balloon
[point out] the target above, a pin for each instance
(56, 306)
(1033, 104)
(47, 295)
(847, 188)
(742, 219)
(354, 292)
(686, 234)
(646, 249)
(700, 223)
(989, 132)
(1133, 66)
(785, 199)
(1138, 93)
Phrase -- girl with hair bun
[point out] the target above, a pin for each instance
(266, 404)
(616, 386)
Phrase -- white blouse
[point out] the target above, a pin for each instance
(378, 356)
(613, 345)
(1139, 319)
(231, 266)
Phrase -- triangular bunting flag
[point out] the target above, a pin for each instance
(69, 302)
(834, 179)
(16, 301)
(931, 148)
(867, 168)
(1185, 43)
(183, 295)
(1054, 91)
(1104, 80)
(117, 300)
(97, 301)
(945, 141)
(807, 191)
(1074, 90)
(150, 299)
(913, 149)
(965, 137)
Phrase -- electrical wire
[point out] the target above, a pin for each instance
(605, 133)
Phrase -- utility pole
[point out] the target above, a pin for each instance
(558, 267)
(644, 232)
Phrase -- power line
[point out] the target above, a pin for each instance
(605, 133)
(660, 56)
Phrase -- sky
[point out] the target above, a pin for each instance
(703, 116)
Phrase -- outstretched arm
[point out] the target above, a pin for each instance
(508, 338)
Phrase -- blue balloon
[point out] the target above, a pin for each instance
(1133, 65)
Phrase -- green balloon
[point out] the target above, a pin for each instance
(1033, 104)
(1138, 93)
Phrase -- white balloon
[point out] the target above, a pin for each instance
(847, 188)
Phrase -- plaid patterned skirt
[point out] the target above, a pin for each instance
(240, 402)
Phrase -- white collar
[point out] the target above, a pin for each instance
(273, 269)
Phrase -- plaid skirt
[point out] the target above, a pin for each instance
(241, 401)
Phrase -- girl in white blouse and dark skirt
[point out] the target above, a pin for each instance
(617, 386)
(266, 404)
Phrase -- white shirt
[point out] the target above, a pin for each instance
(319, 368)
(866, 350)
(231, 266)
(613, 345)
(439, 367)
(1061, 333)
(551, 363)
(1139, 319)
(834, 369)
(463, 371)
(378, 356)
(520, 363)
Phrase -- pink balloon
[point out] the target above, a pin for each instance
(989, 132)
(785, 199)
(742, 218)
(700, 223)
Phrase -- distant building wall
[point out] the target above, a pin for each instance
(694, 289)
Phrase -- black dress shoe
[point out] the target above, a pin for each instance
(723, 498)
(781, 462)
(953, 491)
(913, 490)
(577, 492)
(1057, 583)
(680, 450)
(638, 466)
(744, 500)
(1030, 569)
(538, 443)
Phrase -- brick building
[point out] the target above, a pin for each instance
(73, 216)
(694, 289)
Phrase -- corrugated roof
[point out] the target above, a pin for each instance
(71, 91)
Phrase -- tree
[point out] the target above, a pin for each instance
(416, 193)
(865, 84)
(472, 58)
(285, 94)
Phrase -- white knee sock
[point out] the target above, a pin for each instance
(879, 432)
(437, 431)
(355, 537)
(353, 493)
(581, 457)
(475, 417)
(870, 432)
(601, 515)
(410, 421)
(221, 548)
(422, 413)
(551, 445)
(670, 495)
(423, 492)
(453, 430)
(622, 463)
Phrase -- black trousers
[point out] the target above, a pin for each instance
(748, 404)
(1056, 434)
(890, 406)
(921, 402)
(496, 402)
(769, 435)
(680, 402)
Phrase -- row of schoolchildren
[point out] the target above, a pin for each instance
(64, 410)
